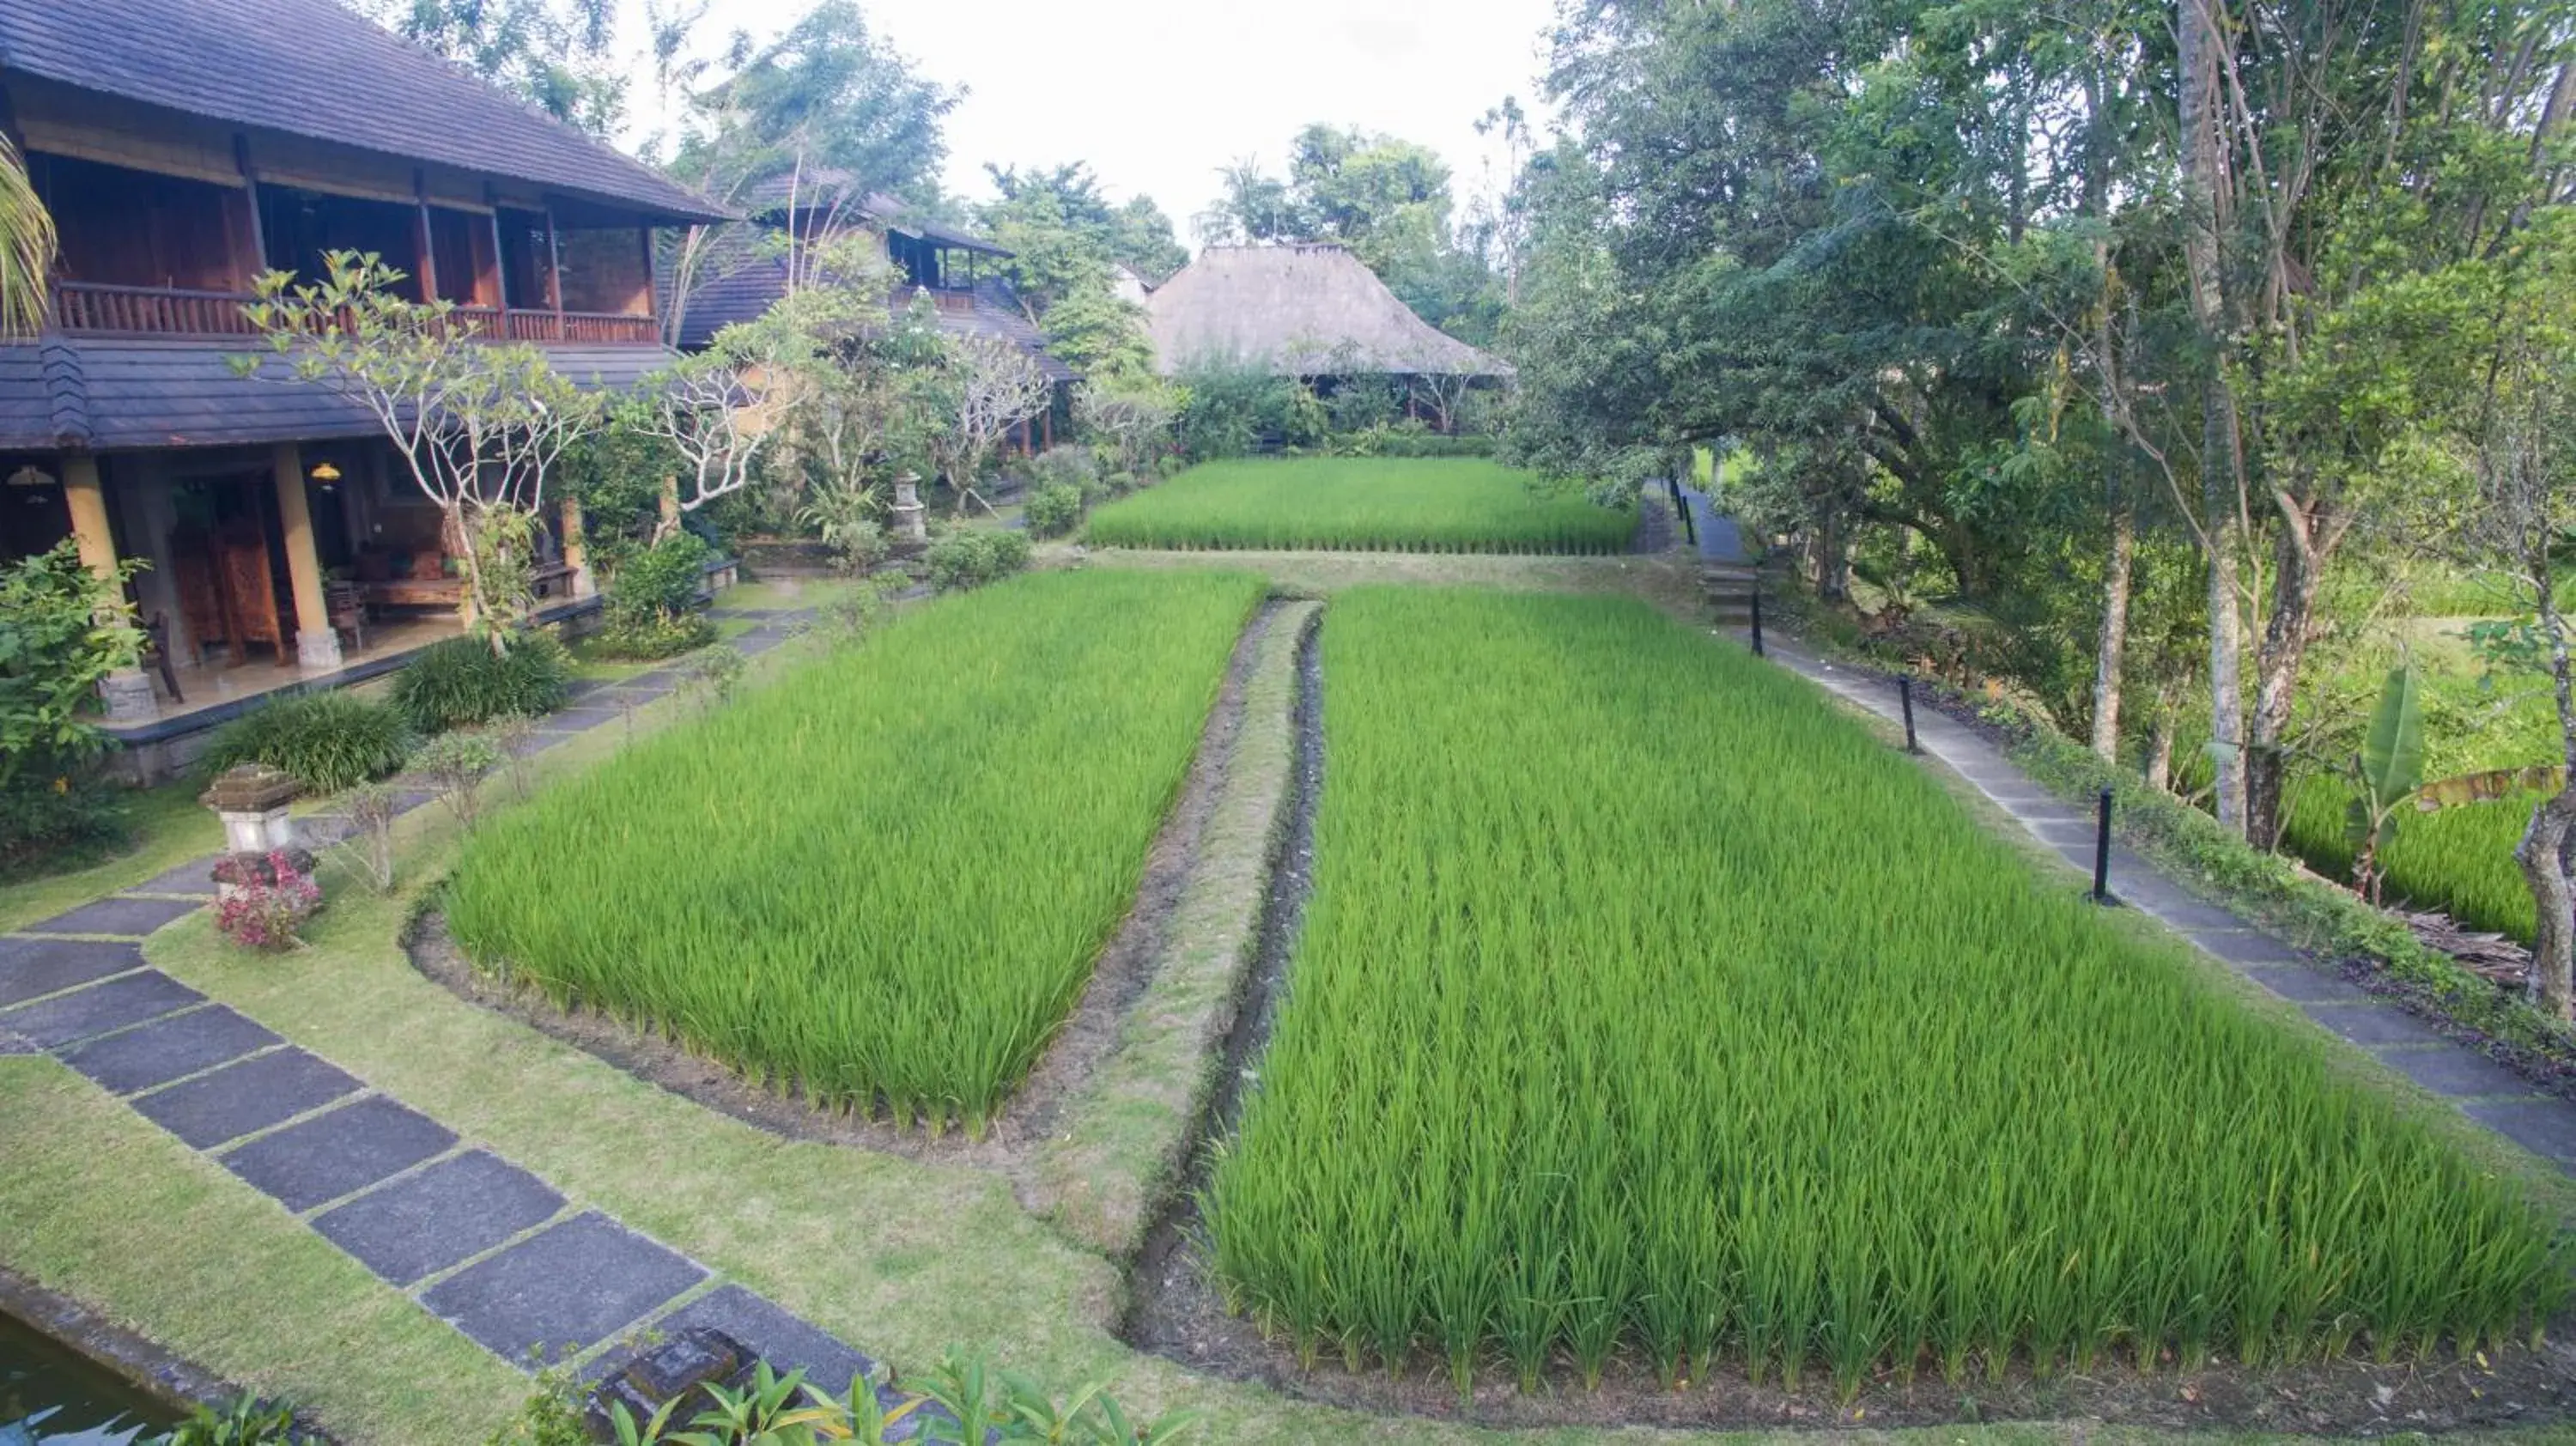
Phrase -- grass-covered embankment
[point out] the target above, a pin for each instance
(885, 877)
(1442, 504)
(1647, 1006)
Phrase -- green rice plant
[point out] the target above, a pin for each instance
(1645, 988)
(2457, 860)
(881, 880)
(331, 740)
(1371, 504)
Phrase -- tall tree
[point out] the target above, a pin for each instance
(827, 95)
(558, 55)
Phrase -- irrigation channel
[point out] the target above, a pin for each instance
(52, 1395)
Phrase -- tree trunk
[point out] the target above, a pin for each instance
(2543, 851)
(669, 525)
(2160, 746)
(2544, 870)
(2296, 577)
(2199, 26)
(2112, 652)
(1833, 559)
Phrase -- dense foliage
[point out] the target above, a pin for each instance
(63, 628)
(462, 681)
(1781, 1057)
(965, 557)
(885, 877)
(651, 610)
(331, 740)
(1367, 504)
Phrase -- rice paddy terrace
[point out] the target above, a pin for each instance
(1370, 504)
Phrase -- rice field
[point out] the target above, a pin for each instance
(1648, 1011)
(1372, 504)
(2458, 860)
(884, 878)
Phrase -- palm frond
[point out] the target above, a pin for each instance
(26, 249)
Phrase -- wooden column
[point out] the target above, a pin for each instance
(317, 647)
(576, 548)
(554, 273)
(127, 692)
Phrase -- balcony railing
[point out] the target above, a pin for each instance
(86, 306)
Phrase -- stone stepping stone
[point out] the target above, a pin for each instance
(2302, 985)
(339, 1153)
(2186, 914)
(581, 688)
(777, 1337)
(127, 918)
(194, 879)
(2455, 1072)
(453, 1211)
(245, 1098)
(33, 968)
(2372, 1024)
(562, 1291)
(2545, 1127)
(96, 1009)
(662, 678)
(168, 1049)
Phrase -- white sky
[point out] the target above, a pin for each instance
(1157, 94)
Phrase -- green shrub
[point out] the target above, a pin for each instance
(1067, 466)
(662, 635)
(243, 1421)
(53, 652)
(972, 557)
(1055, 509)
(461, 681)
(332, 741)
(661, 581)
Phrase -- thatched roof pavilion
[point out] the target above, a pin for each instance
(1300, 310)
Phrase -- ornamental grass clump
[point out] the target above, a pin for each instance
(883, 879)
(1647, 1009)
(1370, 504)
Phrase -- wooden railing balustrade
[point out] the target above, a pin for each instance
(88, 306)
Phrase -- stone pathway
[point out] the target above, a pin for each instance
(479, 1242)
(2485, 1091)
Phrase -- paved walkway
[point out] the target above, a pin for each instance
(479, 1242)
(2487, 1092)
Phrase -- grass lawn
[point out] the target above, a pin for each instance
(168, 827)
(886, 876)
(1686, 1018)
(1446, 504)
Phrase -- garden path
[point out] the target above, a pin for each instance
(2486, 1092)
(477, 1241)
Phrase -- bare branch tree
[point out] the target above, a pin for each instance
(704, 408)
(991, 387)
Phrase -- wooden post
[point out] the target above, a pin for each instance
(250, 195)
(652, 288)
(576, 549)
(317, 647)
(427, 270)
(127, 692)
(500, 272)
(554, 273)
(670, 510)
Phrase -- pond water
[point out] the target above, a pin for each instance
(52, 1395)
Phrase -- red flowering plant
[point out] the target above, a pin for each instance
(265, 903)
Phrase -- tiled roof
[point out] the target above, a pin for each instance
(739, 284)
(313, 68)
(106, 394)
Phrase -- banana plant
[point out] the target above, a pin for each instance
(2389, 770)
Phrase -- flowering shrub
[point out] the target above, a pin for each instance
(267, 901)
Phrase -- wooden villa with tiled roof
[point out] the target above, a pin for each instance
(740, 278)
(186, 146)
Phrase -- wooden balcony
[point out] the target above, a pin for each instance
(89, 308)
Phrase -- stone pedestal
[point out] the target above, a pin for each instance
(252, 800)
(908, 511)
(127, 693)
(317, 650)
